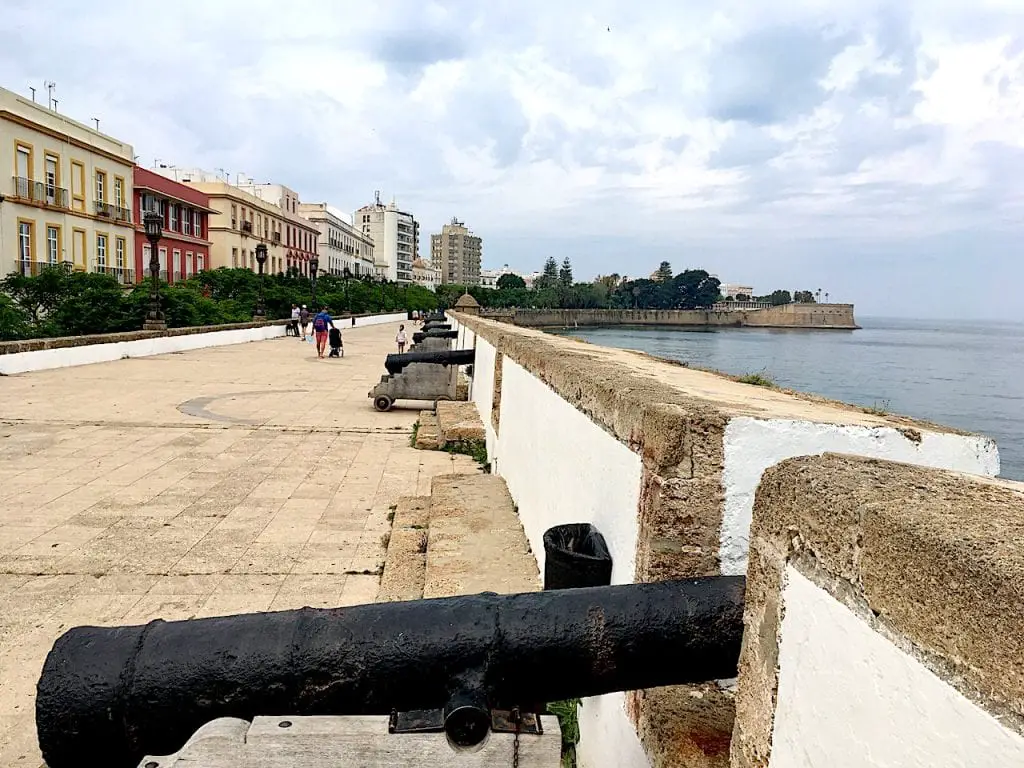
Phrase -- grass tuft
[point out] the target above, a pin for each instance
(758, 380)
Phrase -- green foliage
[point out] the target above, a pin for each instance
(475, 449)
(664, 272)
(776, 298)
(804, 297)
(60, 302)
(567, 713)
(510, 282)
(565, 273)
(758, 380)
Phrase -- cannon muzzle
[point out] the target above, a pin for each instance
(110, 695)
(396, 362)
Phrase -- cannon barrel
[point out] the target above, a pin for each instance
(438, 317)
(419, 336)
(436, 327)
(396, 362)
(110, 695)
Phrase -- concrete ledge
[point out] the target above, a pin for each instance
(459, 422)
(931, 562)
(405, 564)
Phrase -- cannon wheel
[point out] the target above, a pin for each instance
(383, 403)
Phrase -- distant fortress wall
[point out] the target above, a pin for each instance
(815, 316)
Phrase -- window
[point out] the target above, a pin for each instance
(174, 218)
(176, 264)
(23, 161)
(234, 216)
(119, 249)
(77, 185)
(101, 186)
(25, 240)
(197, 224)
(52, 244)
(186, 221)
(101, 250)
(147, 253)
(234, 257)
(119, 192)
(161, 256)
(188, 263)
(52, 178)
(200, 262)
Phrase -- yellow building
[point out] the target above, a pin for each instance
(68, 197)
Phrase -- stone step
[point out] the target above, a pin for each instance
(459, 423)
(405, 564)
(428, 435)
(475, 541)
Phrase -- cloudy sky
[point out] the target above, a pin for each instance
(874, 150)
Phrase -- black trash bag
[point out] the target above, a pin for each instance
(576, 555)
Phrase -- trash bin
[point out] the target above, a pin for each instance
(576, 555)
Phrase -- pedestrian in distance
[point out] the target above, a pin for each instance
(293, 326)
(401, 339)
(321, 323)
(304, 320)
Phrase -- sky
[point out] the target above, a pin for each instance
(874, 150)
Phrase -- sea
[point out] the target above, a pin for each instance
(966, 374)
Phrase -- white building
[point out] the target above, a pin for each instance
(735, 289)
(395, 235)
(341, 245)
(68, 195)
(426, 273)
(489, 277)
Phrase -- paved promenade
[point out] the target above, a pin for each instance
(203, 483)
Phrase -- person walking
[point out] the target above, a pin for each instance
(304, 320)
(294, 324)
(321, 323)
(401, 339)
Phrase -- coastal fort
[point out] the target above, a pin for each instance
(882, 556)
(808, 316)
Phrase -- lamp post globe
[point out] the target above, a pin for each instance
(153, 226)
(314, 265)
(261, 259)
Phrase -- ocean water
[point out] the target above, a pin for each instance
(965, 374)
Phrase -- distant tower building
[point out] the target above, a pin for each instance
(458, 252)
(395, 235)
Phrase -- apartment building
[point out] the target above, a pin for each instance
(458, 252)
(425, 273)
(341, 246)
(68, 198)
(396, 238)
(299, 237)
(184, 248)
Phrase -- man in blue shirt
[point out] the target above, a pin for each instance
(321, 323)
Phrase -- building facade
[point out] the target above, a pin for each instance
(458, 252)
(426, 274)
(341, 246)
(299, 237)
(395, 235)
(68, 196)
(735, 289)
(184, 248)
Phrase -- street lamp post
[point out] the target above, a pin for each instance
(261, 259)
(346, 276)
(314, 265)
(155, 320)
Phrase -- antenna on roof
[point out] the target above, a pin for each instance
(97, 121)
(33, 94)
(376, 196)
(49, 85)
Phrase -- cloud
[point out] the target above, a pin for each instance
(867, 150)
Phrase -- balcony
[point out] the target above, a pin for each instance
(30, 268)
(247, 227)
(39, 192)
(123, 275)
(275, 237)
(114, 212)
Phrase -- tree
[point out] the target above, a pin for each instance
(776, 298)
(803, 297)
(742, 297)
(510, 282)
(549, 277)
(611, 282)
(565, 273)
(695, 289)
(664, 273)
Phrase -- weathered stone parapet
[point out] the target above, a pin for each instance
(931, 561)
(698, 443)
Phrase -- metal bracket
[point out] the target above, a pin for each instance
(432, 721)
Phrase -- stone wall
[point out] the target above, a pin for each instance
(43, 354)
(818, 316)
(665, 461)
(884, 619)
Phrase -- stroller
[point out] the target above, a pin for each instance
(334, 339)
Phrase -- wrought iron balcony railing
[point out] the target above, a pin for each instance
(40, 192)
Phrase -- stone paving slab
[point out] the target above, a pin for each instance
(218, 481)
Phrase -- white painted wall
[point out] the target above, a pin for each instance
(849, 698)
(753, 445)
(45, 359)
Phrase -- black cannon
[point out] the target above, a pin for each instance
(438, 317)
(419, 336)
(110, 695)
(396, 362)
(436, 327)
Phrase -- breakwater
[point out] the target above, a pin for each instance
(806, 316)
